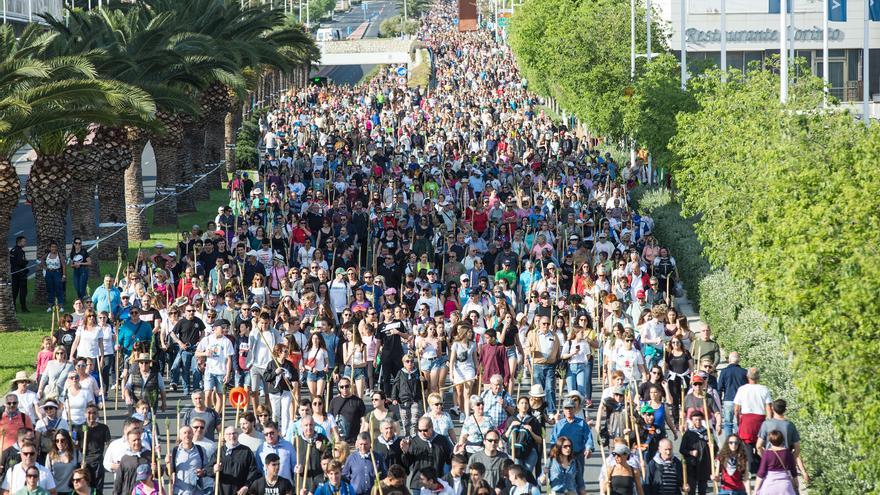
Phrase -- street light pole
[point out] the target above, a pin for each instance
(724, 40)
(783, 52)
(632, 68)
(825, 78)
(683, 41)
(866, 79)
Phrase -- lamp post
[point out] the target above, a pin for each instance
(683, 41)
(783, 52)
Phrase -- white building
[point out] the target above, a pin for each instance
(21, 12)
(753, 35)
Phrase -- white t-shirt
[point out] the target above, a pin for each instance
(338, 295)
(219, 350)
(15, 478)
(88, 342)
(78, 405)
(628, 361)
(27, 402)
(752, 398)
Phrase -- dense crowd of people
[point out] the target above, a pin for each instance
(399, 250)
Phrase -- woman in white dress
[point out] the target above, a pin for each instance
(89, 342)
(463, 355)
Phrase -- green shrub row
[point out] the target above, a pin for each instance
(726, 304)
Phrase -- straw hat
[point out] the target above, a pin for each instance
(21, 376)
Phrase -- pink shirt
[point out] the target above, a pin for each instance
(43, 358)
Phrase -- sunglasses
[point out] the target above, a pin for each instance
(77, 480)
(198, 427)
(28, 454)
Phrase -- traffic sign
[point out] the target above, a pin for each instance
(401, 71)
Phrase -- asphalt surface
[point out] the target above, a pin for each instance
(115, 418)
(346, 23)
(23, 216)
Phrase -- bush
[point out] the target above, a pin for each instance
(727, 306)
(676, 234)
(396, 26)
(246, 153)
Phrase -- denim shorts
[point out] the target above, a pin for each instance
(511, 352)
(359, 373)
(313, 376)
(214, 382)
(436, 363)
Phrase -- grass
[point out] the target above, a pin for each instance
(370, 74)
(420, 75)
(19, 352)
(38, 321)
(551, 114)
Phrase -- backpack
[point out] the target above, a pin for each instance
(202, 456)
(520, 439)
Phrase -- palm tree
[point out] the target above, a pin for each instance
(39, 95)
(137, 48)
(251, 37)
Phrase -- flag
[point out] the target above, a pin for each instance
(837, 10)
(774, 6)
(874, 10)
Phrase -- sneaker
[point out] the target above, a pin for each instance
(49, 309)
(61, 310)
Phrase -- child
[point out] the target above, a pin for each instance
(198, 373)
(142, 412)
(146, 485)
(44, 356)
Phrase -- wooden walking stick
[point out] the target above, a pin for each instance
(711, 443)
(305, 465)
(375, 470)
(170, 466)
(103, 390)
(157, 452)
(85, 438)
(52, 325)
(636, 427)
(220, 442)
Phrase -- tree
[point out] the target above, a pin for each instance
(650, 115)
(582, 58)
(787, 202)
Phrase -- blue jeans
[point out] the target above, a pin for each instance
(80, 280)
(728, 423)
(184, 358)
(54, 288)
(545, 374)
(579, 377)
(530, 462)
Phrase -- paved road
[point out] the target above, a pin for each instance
(348, 22)
(116, 417)
(23, 217)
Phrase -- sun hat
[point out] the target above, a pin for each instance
(537, 390)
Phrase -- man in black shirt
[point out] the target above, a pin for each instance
(391, 334)
(96, 443)
(186, 333)
(350, 409)
(18, 264)
(271, 484)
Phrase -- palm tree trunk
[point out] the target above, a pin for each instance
(165, 211)
(200, 189)
(9, 192)
(48, 189)
(82, 205)
(111, 204)
(186, 200)
(214, 151)
(135, 215)
(229, 141)
(83, 216)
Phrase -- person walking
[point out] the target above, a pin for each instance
(18, 265)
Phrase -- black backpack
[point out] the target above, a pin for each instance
(521, 441)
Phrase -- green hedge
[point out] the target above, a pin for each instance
(726, 305)
(677, 234)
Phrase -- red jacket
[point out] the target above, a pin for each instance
(494, 361)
